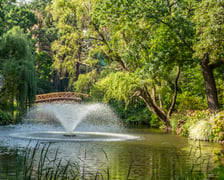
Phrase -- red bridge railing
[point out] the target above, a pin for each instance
(60, 96)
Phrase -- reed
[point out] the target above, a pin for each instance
(40, 164)
(37, 165)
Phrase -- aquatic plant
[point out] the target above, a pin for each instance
(40, 164)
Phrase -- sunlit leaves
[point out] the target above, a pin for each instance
(120, 85)
(71, 48)
(85, 82)
(18, 16)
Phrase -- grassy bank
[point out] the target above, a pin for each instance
(200, 125)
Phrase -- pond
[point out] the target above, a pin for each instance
(145, 154)
(155, 155)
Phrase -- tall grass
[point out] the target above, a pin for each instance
(40, 164)
(37, 165)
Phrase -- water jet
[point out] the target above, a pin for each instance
(74, 122)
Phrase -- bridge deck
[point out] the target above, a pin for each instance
(60, 96)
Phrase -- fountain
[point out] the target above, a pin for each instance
(73, 122)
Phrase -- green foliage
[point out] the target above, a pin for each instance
(218, 127)
(71, 47)
(192, 123)
(200, 125)
(43, 63)
(2, 18)
(17, 67)
(191, 80)
(120, 86)
(5, 118)
(219, 74)
(219, 172)
(135, 113)
(209, 25)
(147, 40)
(186, 101)
(44, 31)
(20, 16)
(85, 82)
(44, 71)
(114, 50)
(154, 122)
(209, 44)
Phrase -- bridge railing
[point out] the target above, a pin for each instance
(60, 96)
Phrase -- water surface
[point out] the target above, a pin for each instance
(154, 155)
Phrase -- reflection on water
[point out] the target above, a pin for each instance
(156, 155)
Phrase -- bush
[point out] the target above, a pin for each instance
(199, 125)
(185, 124)
(187, 101)
(135, 113)
(218, 127)
(201, 130)
(5, 118)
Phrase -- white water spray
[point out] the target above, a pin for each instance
(81, 117)
(81, 122)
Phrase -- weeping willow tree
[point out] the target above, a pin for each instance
(17, 68)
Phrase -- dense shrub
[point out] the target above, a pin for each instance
(187, 101)
(200, 125)
(5, 118)
(135, 113)
(218, 127)
(183, 123)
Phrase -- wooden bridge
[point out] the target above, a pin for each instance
(60, 96)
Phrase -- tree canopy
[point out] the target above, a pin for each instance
(167, 55)
(17, 68)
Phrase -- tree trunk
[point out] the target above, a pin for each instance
(56, 80)
(150, 101)
(77, 71)
(153, 107)
(170, 111)
(210, 86)
(77, 68)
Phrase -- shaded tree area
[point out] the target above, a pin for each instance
(44, 33)
(17, 69)
(16, 61)
(209, 45)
